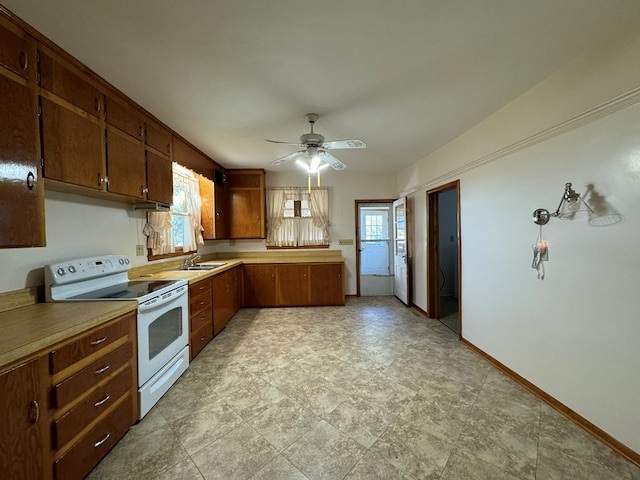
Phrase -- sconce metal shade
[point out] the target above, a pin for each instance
(570, 204)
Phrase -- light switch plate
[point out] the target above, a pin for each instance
(140, 250)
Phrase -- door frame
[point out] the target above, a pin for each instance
(357, 215)
(433, 248)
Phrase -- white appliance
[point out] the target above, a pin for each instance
(163, 328)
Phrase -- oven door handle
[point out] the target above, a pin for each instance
(159, 301)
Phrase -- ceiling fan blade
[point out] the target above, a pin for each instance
(285, 143)
(331, 160)
(286, 158)
(341, 144)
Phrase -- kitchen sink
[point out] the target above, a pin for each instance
(203, 266)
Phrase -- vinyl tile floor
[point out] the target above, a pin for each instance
(371, 390)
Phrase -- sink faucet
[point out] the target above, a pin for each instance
(191, 260)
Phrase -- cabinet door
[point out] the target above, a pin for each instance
(21, 189)
(126, 166)
(207, 207)
(125, 118)
(158, 138)
(221, 208)
(159, 179)
(259, 285)
(69, 85)
(238, 279)
(245, 214)
(14, 50)
(326, 284)
(72, 147)
(23, 420)
(292, 284)
(223, 300)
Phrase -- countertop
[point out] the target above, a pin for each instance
(28, 330)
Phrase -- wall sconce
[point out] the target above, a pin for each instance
(570, 204)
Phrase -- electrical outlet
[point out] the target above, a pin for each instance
(140, 250)
(347, 241)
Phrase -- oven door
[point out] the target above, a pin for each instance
(163, 331)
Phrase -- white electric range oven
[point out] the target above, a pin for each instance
(162, 325)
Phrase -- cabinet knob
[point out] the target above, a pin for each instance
(97, 104)
(141, 130)
(24, 60)
(145, 190)
(31, 180)
(100, 180)
(168, 148)
(34, 408)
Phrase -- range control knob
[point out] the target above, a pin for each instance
(60, 271)
(72, 269)
(126, 260)
(121, 261)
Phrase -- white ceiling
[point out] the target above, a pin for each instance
(405, 76)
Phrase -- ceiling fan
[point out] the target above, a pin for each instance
(314, 155)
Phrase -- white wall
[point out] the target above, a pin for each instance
(574, 334)
(345, 188)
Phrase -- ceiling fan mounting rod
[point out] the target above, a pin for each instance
(311, 118)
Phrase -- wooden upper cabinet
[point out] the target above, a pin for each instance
(158, 138)
(21, 188)
(246, 203)
(126, 166)
(124, 117)
(72, 147)
(69, 84)
(159, 178)
(189, 157)
(15, 54)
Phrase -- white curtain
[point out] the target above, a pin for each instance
(186, 181)
(275, 211)
(158, 232)
(319, 206)
(292, 231)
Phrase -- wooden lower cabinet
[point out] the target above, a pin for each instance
(326, 282)
(294, 284)
(226, 297)
(24, 417)
(200, 316)
(259, 285)
(93, 395)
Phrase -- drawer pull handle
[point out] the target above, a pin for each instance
(102, 370)
(24, 60)
(98, 341)
(101, 441)
(202, 339)
(102, 402)
(35, 415)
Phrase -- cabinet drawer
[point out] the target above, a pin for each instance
(75, 89)
(200, 288)
(72, 422)
(14, 52)
(71, 388)
(201, 317)
(87, 452)
(68, 354)
(199, 339)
